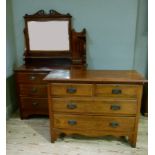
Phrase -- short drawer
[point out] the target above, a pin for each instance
(94, 122)
(110, 90)
(30, 77)
(98, 106)
(61, 89)
(33, 90)
(35, 105)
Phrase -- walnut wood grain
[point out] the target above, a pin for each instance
(71, 89)
(116, 90)
(83, 122)
(99, 76)
(94, 106)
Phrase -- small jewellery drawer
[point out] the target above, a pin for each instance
(33, 90)
(94, 122)
(61, 89)
(31, 77)
(111, 90)
(94, 106)
(34, 104)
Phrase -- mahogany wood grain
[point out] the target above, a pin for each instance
(31, 77)
(39, 63)
(33, 90)
(34, 105)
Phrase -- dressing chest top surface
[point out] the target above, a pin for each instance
(81, 75)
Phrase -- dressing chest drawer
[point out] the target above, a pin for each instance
(31, 78)
(103, 123)
(116, 90)
(34, 105)
(32, 93)
(93, 106)
(73, 89)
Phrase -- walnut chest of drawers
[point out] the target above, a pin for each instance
(95, 103)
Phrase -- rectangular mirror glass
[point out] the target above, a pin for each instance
(49, 35)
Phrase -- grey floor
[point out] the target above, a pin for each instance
(31, 137)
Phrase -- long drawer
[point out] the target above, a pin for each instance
(98, 106)
(61, 89)
(30, 77)
(33, 90)
(117, 91)
(34, 104)
(78, 122)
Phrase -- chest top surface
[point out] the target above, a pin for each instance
(101, 76)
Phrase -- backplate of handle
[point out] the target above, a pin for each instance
(32, 77)
(34, 103)
(115, 107)
(71, 106)
(71, 90)
(34, 90)
(114, 124)
(116, 91)
(72, 122)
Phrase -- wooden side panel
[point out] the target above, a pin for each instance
(79, 47)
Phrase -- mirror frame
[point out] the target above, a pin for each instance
(51, 16)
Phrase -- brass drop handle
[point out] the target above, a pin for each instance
(71, 90)
(32, 77)
(115, 107)
(34, 103)
(72, 122)
(114, 124)
(71, 106)
(34, 90)
(116, 91)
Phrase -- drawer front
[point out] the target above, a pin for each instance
(122, 91)
(60, 89)
(94, 106)
(30, 77)
(33, 90)
(94, 122)
(35, 105)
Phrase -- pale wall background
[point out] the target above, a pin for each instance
(116, 32)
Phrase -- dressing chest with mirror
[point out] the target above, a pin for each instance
(50, 43)
(54, 81)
